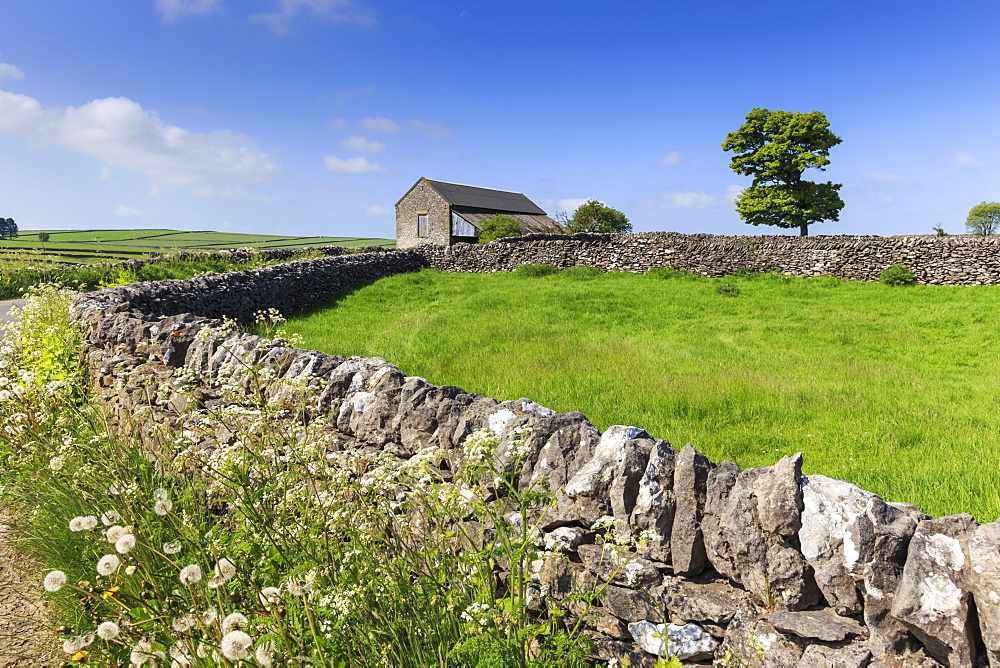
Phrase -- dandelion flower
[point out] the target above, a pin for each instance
(265, 653)
(163, 507)
(172, 548)
(54, 581)
(159, 494)
(124, 544)
(114, 533)
(110, 517)
(236, 645)
(108, 564)
(190, 574)
(270, 596)
(141, 652)
(56, 464)
(232, 621)
(107, 630)
(224, 572)
(72, 645)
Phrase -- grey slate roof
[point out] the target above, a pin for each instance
(485, 198)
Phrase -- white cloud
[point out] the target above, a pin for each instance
(688, 200)
(360, 165)
(120, 133)
(171, 10)
(431, 130)
(128, 212)
(338, 11)
(571, 204)
(887, 179)
(671, 159)
(732, 193)
(378, 210)
(378, 124)
(362, 145)
(8, 71)
(962, 160)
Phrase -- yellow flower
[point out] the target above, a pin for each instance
(110, 592)
(79, 656)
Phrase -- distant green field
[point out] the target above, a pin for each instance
(894, 389)
(96, 246)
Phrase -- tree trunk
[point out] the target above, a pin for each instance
(804, 230)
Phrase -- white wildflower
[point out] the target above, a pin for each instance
(270, 596)
(163, 507)
(54, 581)
(124, 544)
(190, 574)
(130, 570)
(233, 621)
(236, 645)
(108, 564)
(107, 630)
(265, 653)
(605, 522)
(110, 517)
(56, 464)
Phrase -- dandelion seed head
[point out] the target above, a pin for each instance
(107, 630)
(172, 548)
(56, 464)
(114, 533)
(110, 517)
(130, 570)
(233, 621)
(54, 581)
(190, 574)
(72, 645)
(184, 623)
(163, 507)
(270, 596)
(82, 523)
(125, 543)
(235, 645)
(108, 564)
(141, 652)
(209, 616)
(265, 653)
(160, 494)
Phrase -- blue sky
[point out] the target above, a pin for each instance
(313, 117)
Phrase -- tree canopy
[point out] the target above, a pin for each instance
(8, 228)
(984, 218)
(775, 147)
(594, 216)
(498, 226)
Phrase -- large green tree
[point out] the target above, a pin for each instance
(594, 216)
(984, 218)
(775, 147)
(8, 228)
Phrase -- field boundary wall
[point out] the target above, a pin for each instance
(763, 566)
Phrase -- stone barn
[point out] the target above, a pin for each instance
(435, 212)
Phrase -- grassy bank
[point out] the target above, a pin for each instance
(892, 388)
(288, 545)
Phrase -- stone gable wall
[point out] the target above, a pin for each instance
(423, 197)
(762, 566)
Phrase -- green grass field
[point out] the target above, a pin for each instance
(95, 246)
(894, 389)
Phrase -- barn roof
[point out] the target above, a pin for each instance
(474, 197)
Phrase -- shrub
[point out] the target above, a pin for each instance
(897, 274)
(43, 236)
(594, 216)
(580, 273)
(728, 289)
(499, 226)
(535, 270)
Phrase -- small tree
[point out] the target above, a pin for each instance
(775, 147)
(984, 218)
(8, 228)
(593, 216)
(43, 236)
(499, 226)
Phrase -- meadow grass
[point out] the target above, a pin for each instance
(892, 388)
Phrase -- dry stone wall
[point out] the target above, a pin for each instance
(953, 260)
(752, 567)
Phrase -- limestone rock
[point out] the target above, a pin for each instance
(689, 642)
(610, 565)
(687, 545)
(820, 624)
(567, 539)
(823, 656)
(715, 601)
(630, 605)
(984, 582)
(718, 550)
(750, 641)
(656, 502)
(608, 484)
(932, 598)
